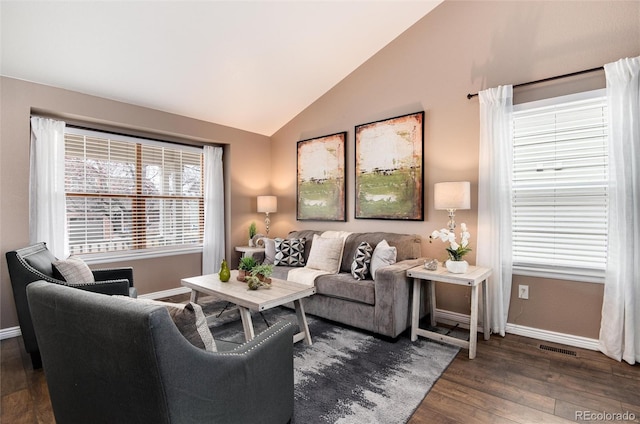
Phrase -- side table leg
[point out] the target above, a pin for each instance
(247, 323)
(432, 301)
(473, 328)
(485, 310)
(415, 309)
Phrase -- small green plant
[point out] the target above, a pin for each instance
(247, 263)
(262, 269)
(253, 283)
(252, 230)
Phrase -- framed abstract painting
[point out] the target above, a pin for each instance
(389, 174)
(321, 178)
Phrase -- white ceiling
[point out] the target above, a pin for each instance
(252, 65)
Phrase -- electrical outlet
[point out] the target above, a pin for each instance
(523, 292)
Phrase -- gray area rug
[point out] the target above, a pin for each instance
(348, 376)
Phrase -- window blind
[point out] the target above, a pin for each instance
(560, 179)
(125, 193)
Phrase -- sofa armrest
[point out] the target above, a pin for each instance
(114, 274)
(393, 297)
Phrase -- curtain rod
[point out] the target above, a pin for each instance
(573, 74)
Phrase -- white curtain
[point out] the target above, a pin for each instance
(620, 325)
(47, 204)
(213, 244)
(494, 200)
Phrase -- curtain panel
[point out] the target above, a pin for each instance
(47, 201)
(494, 199)
(213, 244)
(620, 325)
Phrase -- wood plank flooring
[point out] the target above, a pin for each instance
(510, 381)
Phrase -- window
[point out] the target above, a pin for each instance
(131, 194)
(560, 179)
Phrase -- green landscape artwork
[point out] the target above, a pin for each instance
(389, 174)
(321, 178)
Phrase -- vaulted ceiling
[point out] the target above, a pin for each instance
(252, 65)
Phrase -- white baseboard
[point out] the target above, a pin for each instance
(463, 320)
(7, 333)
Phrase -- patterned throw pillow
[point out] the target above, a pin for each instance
(361, 261)
(289, 252)
(74, 270)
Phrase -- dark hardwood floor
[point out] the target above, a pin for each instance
(510, 381)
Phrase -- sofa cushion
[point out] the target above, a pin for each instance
(361, 261)
(408, 246)
(74, 270)
(269, 251)
(308, 236)
(290, 252)
(343, 286)
(383, 255)
(326, 254)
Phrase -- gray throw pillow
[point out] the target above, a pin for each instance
(361, 261)
(189, 319)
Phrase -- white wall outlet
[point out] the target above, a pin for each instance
(523, 292)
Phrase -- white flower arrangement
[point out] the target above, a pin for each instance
(456, 251)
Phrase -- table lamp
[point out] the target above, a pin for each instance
(450, 196)
(267, 205)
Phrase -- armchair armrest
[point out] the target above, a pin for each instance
(114, 274)
(110, 287)
(251, 383)
(393, 297)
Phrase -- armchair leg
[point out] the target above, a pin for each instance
(36, 360)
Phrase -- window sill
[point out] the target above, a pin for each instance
(594, 276)
(109, 257)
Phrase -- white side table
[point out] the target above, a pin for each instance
(249, 251)
(473, 278)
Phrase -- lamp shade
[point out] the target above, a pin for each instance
(452, 195)
(267, 204)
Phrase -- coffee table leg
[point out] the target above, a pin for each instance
(247, 324)
(194, 296)
(302, 323)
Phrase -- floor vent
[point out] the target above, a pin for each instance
(558, 350)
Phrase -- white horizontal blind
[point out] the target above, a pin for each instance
(560, 178)
(127, 194)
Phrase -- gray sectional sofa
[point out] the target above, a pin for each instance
(383, 305)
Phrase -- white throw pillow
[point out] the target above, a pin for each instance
(383, 255)
(269, 251)
(74, 270)
(326, 254)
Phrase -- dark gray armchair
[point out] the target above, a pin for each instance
(34, 263)
(110, 360)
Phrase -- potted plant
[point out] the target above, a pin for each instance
(254, 283)
(262, 272)
(455, 264)
(252, 232)
(247, 263)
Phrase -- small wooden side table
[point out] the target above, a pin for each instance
(249, 251)
(473, 278)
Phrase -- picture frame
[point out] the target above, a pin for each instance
(389, 168)
(320, 182)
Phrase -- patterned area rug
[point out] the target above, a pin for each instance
(348, 376)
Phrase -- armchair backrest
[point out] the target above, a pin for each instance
(109, 360)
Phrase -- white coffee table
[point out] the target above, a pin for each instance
(234, 291)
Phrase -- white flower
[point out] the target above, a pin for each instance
(463, 227)
(454, 245)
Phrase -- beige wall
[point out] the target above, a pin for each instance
(246, 173)
(459, 48)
